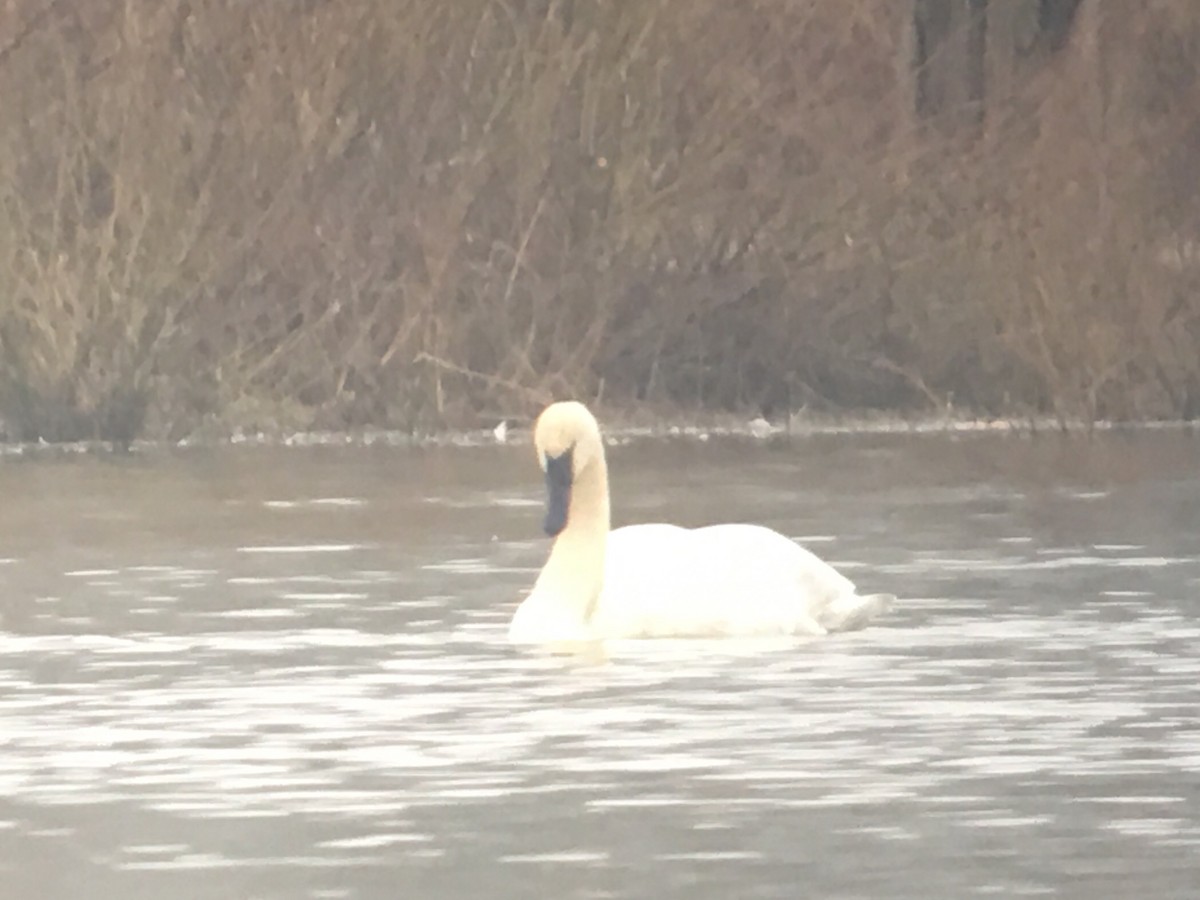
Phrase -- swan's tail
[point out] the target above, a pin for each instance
(852, 611)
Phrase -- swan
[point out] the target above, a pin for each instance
(659, 580)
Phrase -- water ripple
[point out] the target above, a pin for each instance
(283, 713)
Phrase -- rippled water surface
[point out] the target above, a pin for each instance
(282, 673)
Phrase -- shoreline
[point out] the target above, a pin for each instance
(623, 431)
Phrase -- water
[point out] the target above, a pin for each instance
(271, 673)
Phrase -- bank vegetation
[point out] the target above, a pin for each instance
(418, 213)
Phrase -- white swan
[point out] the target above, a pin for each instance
(663, 580)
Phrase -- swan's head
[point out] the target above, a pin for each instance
(567, 440)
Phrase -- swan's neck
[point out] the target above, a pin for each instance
(574, 574)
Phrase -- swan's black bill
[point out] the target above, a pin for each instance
(558, 493)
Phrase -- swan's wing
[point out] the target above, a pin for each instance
(777, 557)
(724, 579)
(824, 593)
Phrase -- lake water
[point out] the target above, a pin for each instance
(261, 673)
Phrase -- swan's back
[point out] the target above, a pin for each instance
(732, 580)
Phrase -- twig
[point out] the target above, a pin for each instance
(912, 378)
(519, 257)
(537, 394)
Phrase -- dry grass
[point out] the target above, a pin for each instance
(414, 213)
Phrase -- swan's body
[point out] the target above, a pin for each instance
(663, 580)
